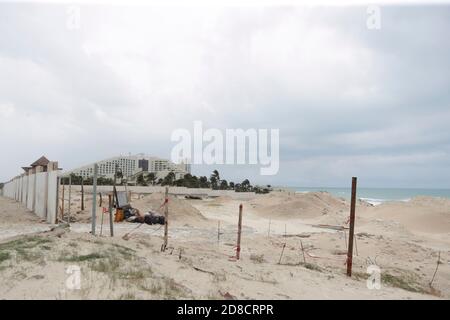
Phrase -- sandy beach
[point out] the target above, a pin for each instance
(404, 239)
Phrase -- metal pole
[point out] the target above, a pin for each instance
(82, 194)
(303, 252)
(218, 231)
(57, 197)
(166, 215)
(63, 199)
(345, 239)
(101, 224)
(70, 193)
(111, 220)
(352, 228)
(282, 252)
(238, 246)
(94, 199)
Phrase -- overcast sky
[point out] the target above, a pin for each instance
(348, 101)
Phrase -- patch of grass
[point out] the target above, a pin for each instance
(127, 296)
(311, 266)
(136, 274)
(81, 258)
(30, 255)
(155, 288)
(172, 290)
(24, 243)
(109, 264)
(73, 244)
(25, 248)
(406, 282)
(4, 256)
(257, 258)
(165, 288)
(360, 275)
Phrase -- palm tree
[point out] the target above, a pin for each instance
(203, 181)
(223, 185)
(215, 179)
(151, 177)
(169, 179)
(140, 180)
(216, 175)
(213, 182)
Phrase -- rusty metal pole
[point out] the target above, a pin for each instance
(82, 194)
(352, 228)
(166, 219)
(238, 246)
(111, 220)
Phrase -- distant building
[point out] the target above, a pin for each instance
(133, 165)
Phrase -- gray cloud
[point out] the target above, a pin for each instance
(347, 100)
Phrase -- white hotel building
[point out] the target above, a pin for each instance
(132, 165)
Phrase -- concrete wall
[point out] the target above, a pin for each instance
(38, 191)
(52, 196)
(41, 195)
(30, 192)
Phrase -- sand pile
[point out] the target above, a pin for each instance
(180, 210)
(299, 205)
(423, 214)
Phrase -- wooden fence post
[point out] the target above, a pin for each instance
(166, 219)
(352, 228)
(111, 220)
(82, 194)
(238, 247)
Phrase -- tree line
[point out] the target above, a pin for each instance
(188, 180)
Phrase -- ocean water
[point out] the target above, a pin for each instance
(377, 196)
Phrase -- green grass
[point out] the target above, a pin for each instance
(257, 258)
(81, 258)
(311, 266)
(24, 243)
(27, 248)
(406, 282)
(4, 256)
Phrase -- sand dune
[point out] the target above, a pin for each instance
(422, 214)
(404, 239)
(286, 205)
(180, 210)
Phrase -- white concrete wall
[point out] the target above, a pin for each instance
(24, 189)
(41, 195)
(52, 196)
(38, 191)
(30, 192)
